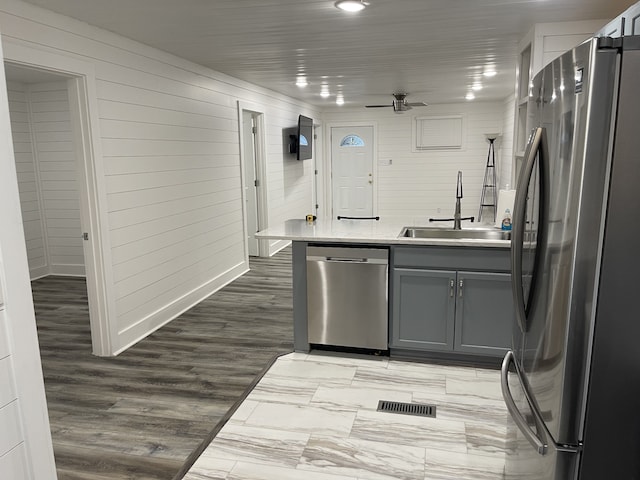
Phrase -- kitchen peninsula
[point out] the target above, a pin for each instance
(446, 299)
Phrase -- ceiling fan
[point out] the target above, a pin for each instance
(400, 103)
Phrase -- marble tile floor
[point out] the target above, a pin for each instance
(313, 417)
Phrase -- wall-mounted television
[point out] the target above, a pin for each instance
(302, 142)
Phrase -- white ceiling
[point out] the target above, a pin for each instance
(433, 49)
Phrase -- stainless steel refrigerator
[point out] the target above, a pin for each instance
(572, 379)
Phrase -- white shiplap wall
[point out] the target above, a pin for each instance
(56, 163)
(506, 143)
(47, 177)
(12, 451)
(419, 185)
(26, 451)
(170, 167)
(32, 218)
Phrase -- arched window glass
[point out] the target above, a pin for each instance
(352, 141)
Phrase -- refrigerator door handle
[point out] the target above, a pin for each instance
(540, 446)
(536, 145)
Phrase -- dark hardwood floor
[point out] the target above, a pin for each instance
(141, 414)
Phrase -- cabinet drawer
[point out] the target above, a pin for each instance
(453, 258)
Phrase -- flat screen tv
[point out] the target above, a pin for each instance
(302, 142)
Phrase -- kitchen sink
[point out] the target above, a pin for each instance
(465, 233)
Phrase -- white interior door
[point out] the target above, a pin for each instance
(71, 176)
(250, 180)
(352, 171)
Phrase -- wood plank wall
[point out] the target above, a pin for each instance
(171, 168)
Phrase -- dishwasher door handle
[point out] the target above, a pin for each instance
(346, 260)
(377, 261)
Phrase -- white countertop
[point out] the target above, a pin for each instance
(365, 231)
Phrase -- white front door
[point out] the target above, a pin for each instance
(352, 171)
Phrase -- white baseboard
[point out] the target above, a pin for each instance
(39, 272)
(278, 245)
(141, 329)
(68, 270)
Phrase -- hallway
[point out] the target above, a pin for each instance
(141, 414)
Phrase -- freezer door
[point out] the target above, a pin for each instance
(530, 453)
(575, 96)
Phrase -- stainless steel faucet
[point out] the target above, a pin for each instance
(456, 214)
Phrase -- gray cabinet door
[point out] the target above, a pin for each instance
(484, 313)
(423, 309)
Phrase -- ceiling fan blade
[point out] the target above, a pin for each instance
(417, 104)
(377, 106)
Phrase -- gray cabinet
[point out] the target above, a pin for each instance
(424, 307)
(468, 310)
(484, 313)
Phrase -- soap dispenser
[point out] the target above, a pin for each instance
(506, 220)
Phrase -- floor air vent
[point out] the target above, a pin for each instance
(419, 409)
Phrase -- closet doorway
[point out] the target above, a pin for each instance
(48, 124)
(253, 172)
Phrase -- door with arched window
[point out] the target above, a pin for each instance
(352, 172)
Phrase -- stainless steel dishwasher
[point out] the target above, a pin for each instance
(347, 301)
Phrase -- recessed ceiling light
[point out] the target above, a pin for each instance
(339, 100)
(302, 81)
(490, 72)
(351, 5)
(470, 96)
(476, 87)
(324, 91)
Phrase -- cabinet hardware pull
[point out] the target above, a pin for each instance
(460, 285)
(452, 286)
